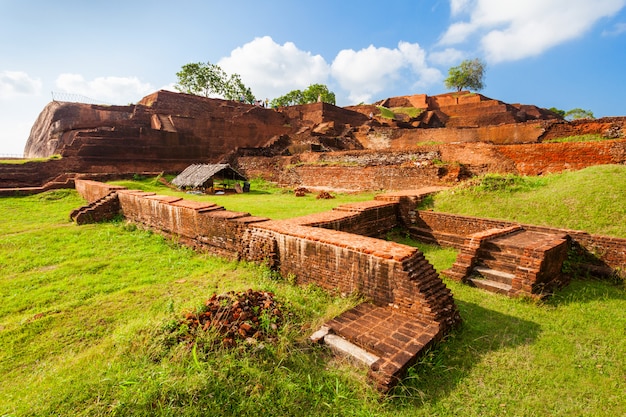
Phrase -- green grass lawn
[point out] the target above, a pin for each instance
(21, 161)
(85, 312)
(283, 203)
(578, 138)
(592, 199)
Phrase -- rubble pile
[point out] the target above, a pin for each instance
(324, 195)
(301, 191)
(247, 315)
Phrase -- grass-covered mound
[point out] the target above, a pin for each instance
(592, 199)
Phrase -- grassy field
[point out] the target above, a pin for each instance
(20, 161)
(591, 199)
(578, 138)
(283, 202)
(86, 310)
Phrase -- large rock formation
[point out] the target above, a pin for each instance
(167, 131)
(172, 126)
(163, 127)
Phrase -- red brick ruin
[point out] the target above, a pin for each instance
(453, 137)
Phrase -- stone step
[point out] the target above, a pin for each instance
(509, 266)
(495, 275)
(344, 347)
(503, 248)
(490, 285)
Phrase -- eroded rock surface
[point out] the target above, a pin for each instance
(167, 131)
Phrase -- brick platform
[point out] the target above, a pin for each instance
(395, 337)
(512, 261)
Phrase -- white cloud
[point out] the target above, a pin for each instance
(113, 90)
(170, 87)
(17, 83)
(272, 70)
(617, 30)
(517, 29)
(373, 70)
(458, 6)
(448, 56)
(14, 136)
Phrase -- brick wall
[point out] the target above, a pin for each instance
(450, 230)
(356, 173)
(380, 177)
(94, 190)
(367, 218)
(202, 225)
(385, 272)
(545, 158)
(334, 258)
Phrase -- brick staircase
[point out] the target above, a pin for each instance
(512, 261)
(105, 208)
(166, 123)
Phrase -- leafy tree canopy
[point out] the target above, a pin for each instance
(312, 94)
(558, 112)
(469, 74)
(210, 79)
(577, 113)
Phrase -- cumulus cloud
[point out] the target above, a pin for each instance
(113, 90)
(514, 30)
(17, 83)
(272, 70)
(458, 6)
(448, 56)
(372, 70)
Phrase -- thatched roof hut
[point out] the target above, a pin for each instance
(202, 176)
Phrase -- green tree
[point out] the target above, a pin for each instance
(312, 94)
(201, 79)
(318, 92)
(210, 79)
(577, 113)
(558, 112)
(235, 89)
(469, 74)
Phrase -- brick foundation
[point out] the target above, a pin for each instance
(321, 249)
(607, 254)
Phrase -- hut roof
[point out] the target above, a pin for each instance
(196, 175)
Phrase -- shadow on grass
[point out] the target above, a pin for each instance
(439, 371)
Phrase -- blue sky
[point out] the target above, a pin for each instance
(561, 53)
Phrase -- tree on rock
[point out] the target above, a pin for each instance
(576, 114)
(318, 92)
(210, 79)
(235, 89)
(469, 74)
(312, 94)
(558, 112)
